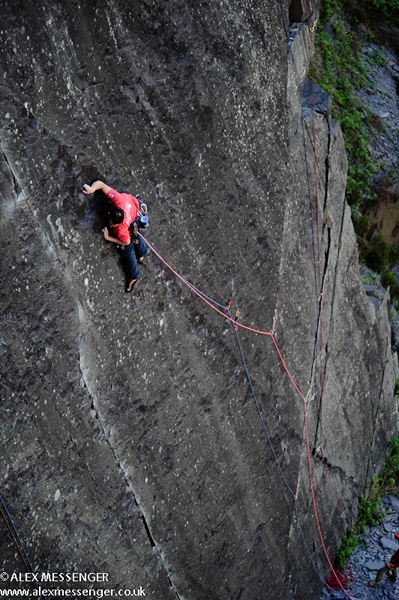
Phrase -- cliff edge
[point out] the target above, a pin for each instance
(132, 442)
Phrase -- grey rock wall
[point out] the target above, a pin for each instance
(130, 440)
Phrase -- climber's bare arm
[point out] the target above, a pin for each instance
(94, 187)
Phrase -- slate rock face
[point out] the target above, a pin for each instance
(130, 440)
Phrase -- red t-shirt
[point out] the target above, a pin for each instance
(130, 206)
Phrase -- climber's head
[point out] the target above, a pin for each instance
(116, 216)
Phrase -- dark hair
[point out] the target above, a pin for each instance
(116, 215)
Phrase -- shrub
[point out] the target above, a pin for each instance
(339, 69)
(388, 278)
(379, 253)
(389, 476)
(348, 544)
(372, 11)
(370, 509)
(370, 512)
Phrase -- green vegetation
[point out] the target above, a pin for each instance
(371, 509)
(388, 279)
(339, 69)
(389, 476)
(373, 11)
(378, 57)
(379, 254)
(347, 547)
(370, 12)
(369, 277)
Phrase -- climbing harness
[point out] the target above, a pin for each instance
(141, 220)
(142, 217)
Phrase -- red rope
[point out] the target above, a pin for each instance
(224, 315)
(344, 579)
(320, 326)
(290, 377)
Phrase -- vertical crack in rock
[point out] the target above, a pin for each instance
(122, 470)
(337, 263)
(17, 187)
(22, 196)
(319, 342)
(326, 230)
(370, 469)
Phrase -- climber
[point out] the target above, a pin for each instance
(390, 567)
(125, 214)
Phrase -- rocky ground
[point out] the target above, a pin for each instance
(381, 97)
(376, 548)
